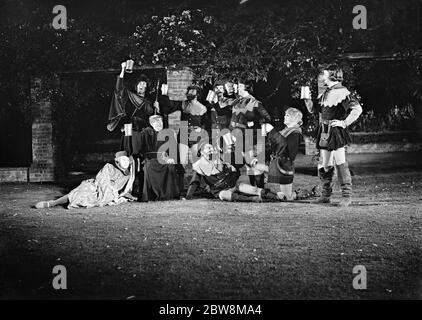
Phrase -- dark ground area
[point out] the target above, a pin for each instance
(205, 249)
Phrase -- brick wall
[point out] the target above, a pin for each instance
(45, 161)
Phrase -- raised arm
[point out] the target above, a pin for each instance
(117, 111)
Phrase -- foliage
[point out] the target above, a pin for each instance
(397, 119)
(174, 39)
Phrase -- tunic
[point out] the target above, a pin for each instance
(107, 187)
(244, 110)
(217, 174)
(334, 104)
(284, 146)
(220, 117)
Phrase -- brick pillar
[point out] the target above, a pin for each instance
(45, 165)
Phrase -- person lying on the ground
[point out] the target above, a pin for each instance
(283, 147)
(161, 174)
(112, 185)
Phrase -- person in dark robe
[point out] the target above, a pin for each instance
(161, 180)
(129, 112)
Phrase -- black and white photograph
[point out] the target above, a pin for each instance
(231, 152)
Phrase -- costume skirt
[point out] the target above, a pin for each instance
(276, 176)
(338, 138)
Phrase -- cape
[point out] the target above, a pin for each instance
(333, 96)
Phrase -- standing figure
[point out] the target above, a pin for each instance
(221, 115)
(247, 113)
(338, 109)
(112, 185)
(129, 112)
(193, 115)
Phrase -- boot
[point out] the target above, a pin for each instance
(327, 185)
(345, 180)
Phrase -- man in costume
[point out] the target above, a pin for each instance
(112, 185)
(211, 170)
(193, 115)
(161, 179)
(338, 109)
(247, 113)
(129, 112)
(221, 116)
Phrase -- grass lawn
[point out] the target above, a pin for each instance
(206, 249)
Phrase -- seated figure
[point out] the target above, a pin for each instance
(161, 175)
(112, 185)
(211, 170)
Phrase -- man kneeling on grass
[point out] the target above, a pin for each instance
(111, 186)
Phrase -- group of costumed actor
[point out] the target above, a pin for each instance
(158, 178)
